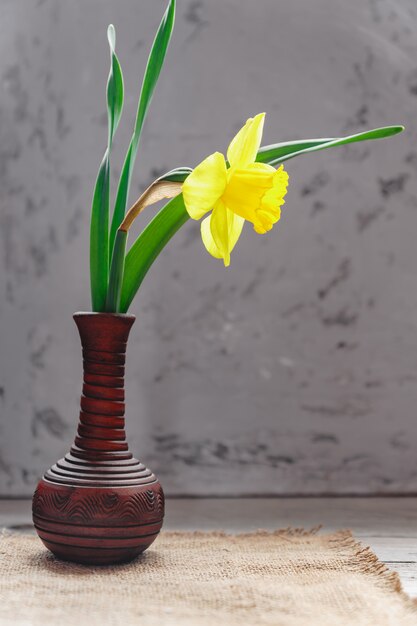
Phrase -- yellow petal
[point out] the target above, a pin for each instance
(236, 224)
(205, 185)
(256, 194)
(208, 240)
(245, 145)
(220, 232)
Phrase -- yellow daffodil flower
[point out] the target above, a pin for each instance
(245, 191)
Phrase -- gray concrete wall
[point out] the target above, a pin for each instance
(295, 370)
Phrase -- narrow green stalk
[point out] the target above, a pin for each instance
(116, 272)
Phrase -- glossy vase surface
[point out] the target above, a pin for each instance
(99, 505)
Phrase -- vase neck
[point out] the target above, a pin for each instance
(101, 429)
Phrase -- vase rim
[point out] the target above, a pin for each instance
(104, 314)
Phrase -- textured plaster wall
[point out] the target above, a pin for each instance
(295, 370)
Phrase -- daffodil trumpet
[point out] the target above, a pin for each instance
(248, 185)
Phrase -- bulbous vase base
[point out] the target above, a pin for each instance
(97, 525)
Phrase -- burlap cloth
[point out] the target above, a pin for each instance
(286, 578)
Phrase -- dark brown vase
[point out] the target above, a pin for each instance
(99, 505)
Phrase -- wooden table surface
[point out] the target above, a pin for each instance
(387, 525)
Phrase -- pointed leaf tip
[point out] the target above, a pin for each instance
(111, 37)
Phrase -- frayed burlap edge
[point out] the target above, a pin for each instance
(359, 557)
(368, 563)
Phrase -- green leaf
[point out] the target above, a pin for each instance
(153, 69)
(116, 272)
(148, 245)
(273, 151)
(178, 175)
(99, 234)
(276, 154)
(99, 226)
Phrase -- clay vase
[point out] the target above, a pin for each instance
(99, 505)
